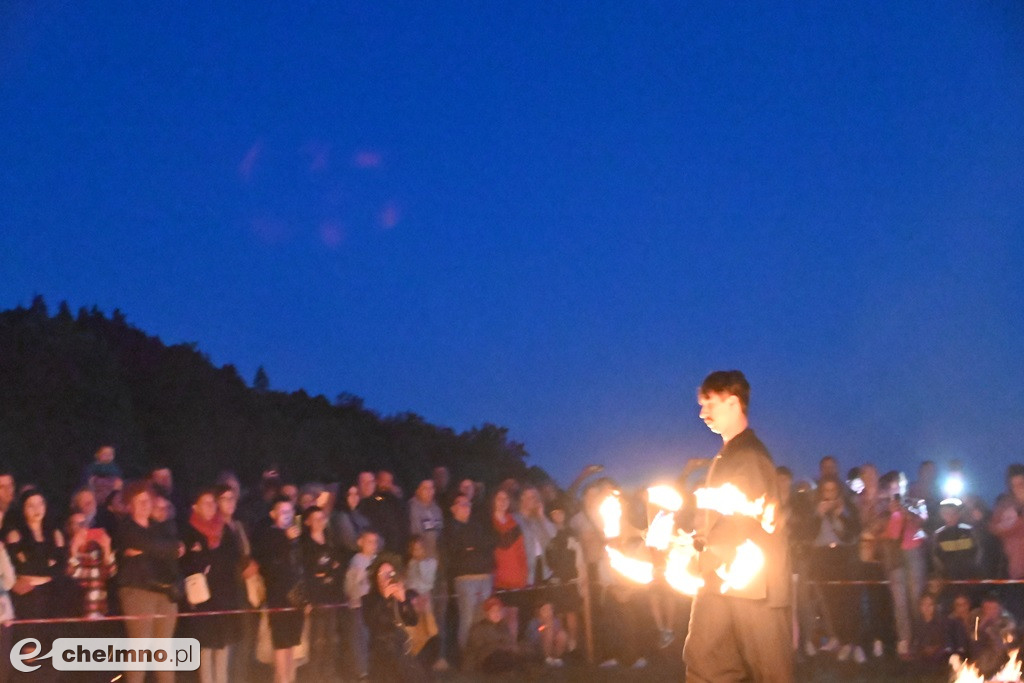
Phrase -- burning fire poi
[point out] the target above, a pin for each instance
(681, 570)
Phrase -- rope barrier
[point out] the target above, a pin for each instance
(255, 610)
(958, 582)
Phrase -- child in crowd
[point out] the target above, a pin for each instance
(102, 466)
(491, 647)
(936, 636)
(357, 585)
(420, 576)
(91, 564)
(564, 556)
(993, 632)
(546, 635)
(955, 552)
(960, 610)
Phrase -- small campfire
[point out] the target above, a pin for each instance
(966, 672)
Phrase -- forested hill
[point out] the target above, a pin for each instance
(69, 383)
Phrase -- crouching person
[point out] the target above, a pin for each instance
(491, 647)
(389, 612)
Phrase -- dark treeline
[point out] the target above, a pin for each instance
(69, 383)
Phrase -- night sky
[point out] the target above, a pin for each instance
(554, 217)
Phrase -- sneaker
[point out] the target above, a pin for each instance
(830, 645)
(858, 655)
(876, 649)
(441, 665)
(844, 653)
(903, 648)
(608, 664)
(809, 648)
(639, 664)
(554, 661)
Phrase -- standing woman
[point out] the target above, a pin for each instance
(148, 575)
(348, 524)
(244, 651)
(276, 549)
(321, 565)
(511, 571)
(212, 549)
(39, 557)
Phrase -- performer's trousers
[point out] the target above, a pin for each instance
(735, 639)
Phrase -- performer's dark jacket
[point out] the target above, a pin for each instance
(745, 463)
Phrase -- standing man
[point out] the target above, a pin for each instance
(739, 633)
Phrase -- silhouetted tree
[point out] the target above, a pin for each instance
(261, 382)
(68, 384)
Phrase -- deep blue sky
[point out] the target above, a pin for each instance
(556, 218)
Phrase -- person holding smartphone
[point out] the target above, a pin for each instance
(388, 609)
(90, 563)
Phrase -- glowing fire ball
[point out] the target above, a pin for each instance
(660, 530)
(632, 568)
(681, 568)
(611, 514)
(665, 497)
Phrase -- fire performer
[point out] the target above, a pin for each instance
(738, 633)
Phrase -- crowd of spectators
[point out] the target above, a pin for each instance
(883, 565)
(316, 581)
(362, 581)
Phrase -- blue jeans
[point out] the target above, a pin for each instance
(470, 592)
(357, 641)
(901, 610)
(917, 574)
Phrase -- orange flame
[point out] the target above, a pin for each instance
(631, 568)
(680, 567)
(665, 497)
(1011, 671)
(611, 514)
(729, 500)
(660, 530)
(745, 566)
(967, 672)
(768, 518)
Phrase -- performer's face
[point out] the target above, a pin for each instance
(719, 411)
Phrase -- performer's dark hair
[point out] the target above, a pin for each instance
(729, 382)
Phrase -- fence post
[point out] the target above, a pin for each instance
(588, 619)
